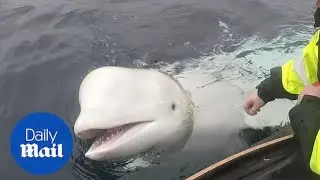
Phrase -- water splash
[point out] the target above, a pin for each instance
(245, 67)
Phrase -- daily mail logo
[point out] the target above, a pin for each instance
(41, 143)
(32, 150)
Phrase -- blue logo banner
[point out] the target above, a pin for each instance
(41, 143)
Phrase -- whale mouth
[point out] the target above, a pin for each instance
(105, 139)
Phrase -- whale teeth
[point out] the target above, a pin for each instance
(110, 135)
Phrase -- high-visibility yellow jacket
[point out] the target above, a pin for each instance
(288, 81)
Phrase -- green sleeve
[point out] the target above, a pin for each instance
(271, 88)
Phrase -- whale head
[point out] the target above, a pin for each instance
(131, 111)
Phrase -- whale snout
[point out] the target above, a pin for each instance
(112, 136)
(85, 126)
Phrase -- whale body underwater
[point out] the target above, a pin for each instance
(131, 111)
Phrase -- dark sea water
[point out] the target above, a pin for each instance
(48, 46)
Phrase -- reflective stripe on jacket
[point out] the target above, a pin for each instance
(304, 71)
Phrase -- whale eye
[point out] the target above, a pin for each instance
(173, 106)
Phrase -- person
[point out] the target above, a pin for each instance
(297, 79)
(305, 122)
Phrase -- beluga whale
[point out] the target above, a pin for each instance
(131, 111)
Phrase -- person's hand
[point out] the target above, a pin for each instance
(253, 103)
(309, 90)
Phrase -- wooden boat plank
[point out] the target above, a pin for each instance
(234, 157)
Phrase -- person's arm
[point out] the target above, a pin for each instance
(305, 122)
(288, 80)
